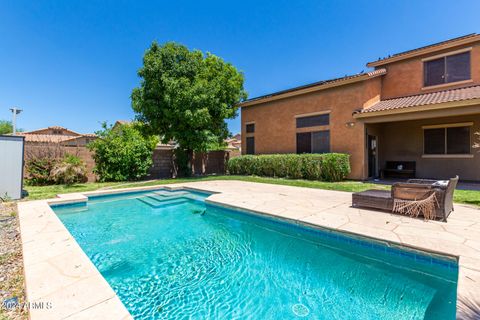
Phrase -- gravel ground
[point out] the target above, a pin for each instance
(11, 264)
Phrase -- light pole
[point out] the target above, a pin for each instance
(15, 111)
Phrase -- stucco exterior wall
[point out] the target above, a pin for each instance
(405, 78)
(403, 141)
(275, 124)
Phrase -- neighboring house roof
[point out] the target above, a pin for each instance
(234, 143)
(45, 138)
(165, 146)
(120, 123)
(42, 135)
(452, 95)
(42, 130)
(320, 85)
(469, 38)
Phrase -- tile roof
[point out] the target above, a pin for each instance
(43, 135)
(46, 138)
(451, 95)
(39, 131)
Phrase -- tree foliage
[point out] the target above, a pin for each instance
(186, 96)
(122, 152)
(5, 127)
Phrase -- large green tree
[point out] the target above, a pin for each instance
(5, 127)
(122, 152)
(186, 96)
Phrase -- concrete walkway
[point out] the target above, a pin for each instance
(40, 228)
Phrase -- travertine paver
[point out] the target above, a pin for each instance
(41, 229)
(61, 281)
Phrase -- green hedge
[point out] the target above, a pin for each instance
(324, 167)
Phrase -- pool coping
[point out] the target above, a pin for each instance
(57, 276)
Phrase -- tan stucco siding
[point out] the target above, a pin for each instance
(405, 77)
(275, 124)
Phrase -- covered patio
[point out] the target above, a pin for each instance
(424, 136)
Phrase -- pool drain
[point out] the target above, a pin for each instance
(300, 310)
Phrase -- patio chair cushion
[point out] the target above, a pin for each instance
(411, 191)
(441, 183)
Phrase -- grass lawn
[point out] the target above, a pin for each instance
(45, 192)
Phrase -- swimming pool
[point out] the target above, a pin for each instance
(168, 255)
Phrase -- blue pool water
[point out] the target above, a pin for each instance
(168, 255)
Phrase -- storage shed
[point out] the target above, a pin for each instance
(11, 166)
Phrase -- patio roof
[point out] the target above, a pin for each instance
(424, 102)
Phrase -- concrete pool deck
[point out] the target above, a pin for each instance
(58, 272)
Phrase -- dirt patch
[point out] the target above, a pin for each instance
(12, 288)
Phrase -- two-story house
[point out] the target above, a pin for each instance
(419, 107)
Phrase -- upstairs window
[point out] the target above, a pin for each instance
(450, 140)
(250, 128)
(447, 69)
(312, 121)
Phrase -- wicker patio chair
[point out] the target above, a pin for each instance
(444, 191)
(412, 190)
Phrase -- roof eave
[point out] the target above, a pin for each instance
(321, 86)
(423, 52)
(425, 107)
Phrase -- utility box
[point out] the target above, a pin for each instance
(11, 166)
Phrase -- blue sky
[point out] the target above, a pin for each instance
(74, 63)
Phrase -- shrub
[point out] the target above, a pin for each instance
(38, 170)
(325, 167)
(69, 171)
(122, 153)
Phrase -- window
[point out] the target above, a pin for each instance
(447, 69)
(450, 140)
(434, 141)
(313, 142)
(458, 140)
(250, 128)
(312, 121)
(250, 145)
(304, 142)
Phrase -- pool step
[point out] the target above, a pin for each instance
(163, 198)
(170, 193)
(152, 202)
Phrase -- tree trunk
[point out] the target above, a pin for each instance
(204, 161)
(191, 161)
